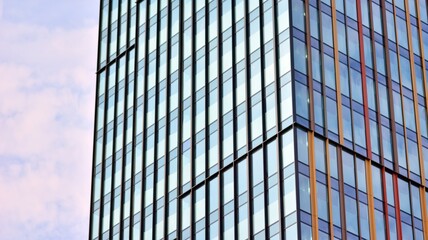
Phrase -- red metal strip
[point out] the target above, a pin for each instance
(364, 82)
(397, 207)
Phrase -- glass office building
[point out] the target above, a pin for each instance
(261, 119)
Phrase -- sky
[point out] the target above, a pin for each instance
(47, 91)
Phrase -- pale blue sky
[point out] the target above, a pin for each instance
(47, 88)
(51, 13)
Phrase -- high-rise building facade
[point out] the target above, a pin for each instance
(261, 119)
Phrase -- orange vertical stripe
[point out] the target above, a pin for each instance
(415, 93)
(337, 73)
(421, 47)
(422, 192)
(424, 211)
(312, 179)
(370, 199)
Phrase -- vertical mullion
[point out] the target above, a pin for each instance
(280, 160)
(220, 116)
(135, 107)
(93, 170)
(415, 104)
(415, 94)
(250, 196)
(397, 208)
(235, 198)
(266, 188)
(377, 97)
(156, 124)
(293, 97)
(235, 124)
(94, 138)
(207, 127)
(309, 68)
(100, 37)
(391, 120)
(424, 208)
(384, 202)
(388, 85)
(125, 114)
(146, 99)
(341, 191)
(296, 176)
(103, 174)
(179, 196)
(278, 121)
(392, 117)
(364, 81)
(321, 58)
(263, 105)
(337, 71)
(192, 117)
(247, 120)
(103, 162)
(423, 177)
(329, 195)
(294, 129)
(220, 85)
(217, 41)
(113, 156)
(167, 120)
(313, 183)
(369, 179)
(424, 79)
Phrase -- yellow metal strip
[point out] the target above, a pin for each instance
(424, 76)
(370, 199)
(422, 190)
(313, 184)
(415, 92)
(424, 211)
(337, 73)
(416, 108)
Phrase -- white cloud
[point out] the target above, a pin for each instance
(47, 91)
